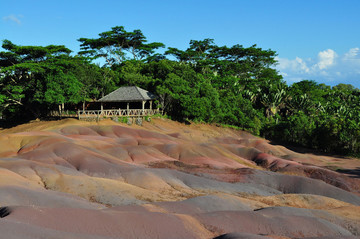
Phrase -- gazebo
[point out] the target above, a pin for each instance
(120, 97)
(128, 94)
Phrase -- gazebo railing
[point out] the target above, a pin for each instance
(116, 113)
(64, 113)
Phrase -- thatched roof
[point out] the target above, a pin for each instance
(128, 94)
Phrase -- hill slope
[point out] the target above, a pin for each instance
(73, 179)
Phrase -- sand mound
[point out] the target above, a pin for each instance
(73, 179)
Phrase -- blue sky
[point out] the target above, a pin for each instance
(315, 39)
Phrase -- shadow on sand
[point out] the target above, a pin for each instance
(353, 173)
(303, 150)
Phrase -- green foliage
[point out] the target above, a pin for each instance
(35, 78)
(117, 44)
(123, 120)
(61, 88)
(321, 118)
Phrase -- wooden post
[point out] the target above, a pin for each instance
(143, 107)
(151, 105)
(102, 107)
(127, 109)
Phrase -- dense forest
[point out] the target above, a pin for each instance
(236, 86)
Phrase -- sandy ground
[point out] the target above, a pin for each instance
(75, 179)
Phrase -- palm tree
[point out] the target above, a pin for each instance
(273, 102)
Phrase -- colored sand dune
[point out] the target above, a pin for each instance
(72, 179)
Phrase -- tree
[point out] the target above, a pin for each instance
(182, 92)
(235, 61)
(23, 69)
(345, 88)
(35, 78)
(273, 102)
(117, 44)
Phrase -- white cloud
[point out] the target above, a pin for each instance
(352, 54)
(298, 65)
(326, 59)
(13, 18)
(328, 67)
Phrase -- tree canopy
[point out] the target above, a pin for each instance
(33, 78)
(118, 45)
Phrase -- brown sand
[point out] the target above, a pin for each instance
(74, 179)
